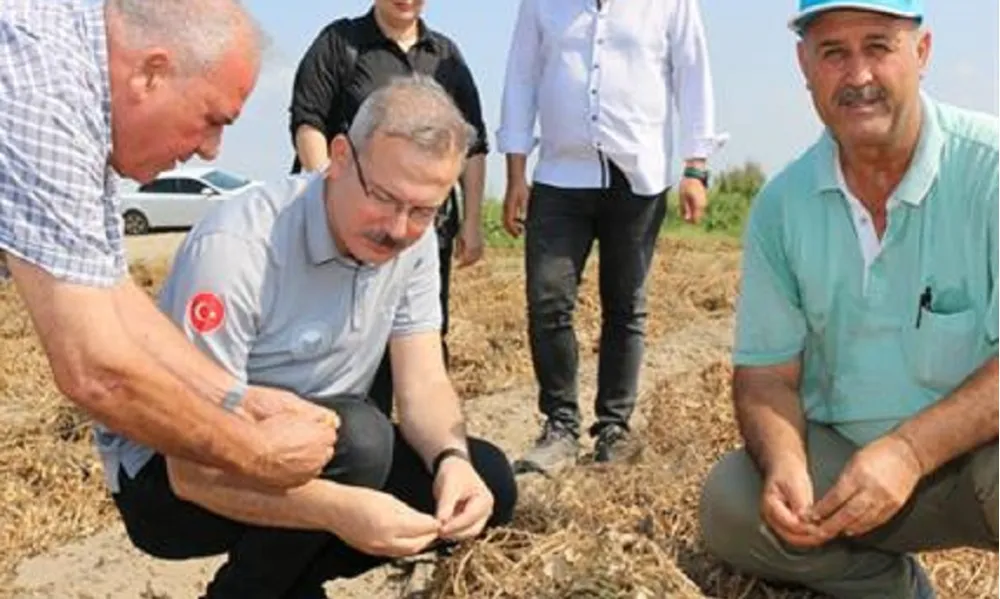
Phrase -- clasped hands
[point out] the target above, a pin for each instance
(873, 486)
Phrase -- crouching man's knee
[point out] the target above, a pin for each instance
(363, 452)
(985, 474)
(729, 512)
(494, 468)
(734, 532)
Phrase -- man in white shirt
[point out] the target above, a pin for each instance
(603, 78)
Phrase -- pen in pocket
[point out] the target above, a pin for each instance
(924, 304)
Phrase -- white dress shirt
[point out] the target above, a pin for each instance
(604, 81)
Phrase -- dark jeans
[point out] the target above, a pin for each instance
(381, 389)
(561, 228)
(275, 563)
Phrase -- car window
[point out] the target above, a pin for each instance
(225, 180)
(190, 186)
(160, 186)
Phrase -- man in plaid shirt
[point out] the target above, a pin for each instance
(129, 87)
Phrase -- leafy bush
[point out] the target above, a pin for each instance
(726, 212)
(494, 235)
(745, 180)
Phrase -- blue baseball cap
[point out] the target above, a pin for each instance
(908, 9)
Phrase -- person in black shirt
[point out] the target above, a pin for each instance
(347, 61)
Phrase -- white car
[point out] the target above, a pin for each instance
(177, 199)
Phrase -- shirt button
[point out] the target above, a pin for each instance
(600, 41)
(593, 117)
(593, 91)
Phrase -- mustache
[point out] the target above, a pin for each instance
(385, 240)
(852, 95)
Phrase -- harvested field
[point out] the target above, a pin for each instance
(625, 531)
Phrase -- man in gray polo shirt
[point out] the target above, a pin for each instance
(300, 286)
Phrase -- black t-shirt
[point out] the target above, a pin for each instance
(332, 80)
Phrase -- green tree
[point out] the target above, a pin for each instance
(744, 180)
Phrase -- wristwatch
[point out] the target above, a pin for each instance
(701, 174)
(234, 397)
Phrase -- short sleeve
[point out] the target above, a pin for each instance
(770, 324)
(213, 294)
(59, 209)
(992, 314)
(316, 88)
(419, 310)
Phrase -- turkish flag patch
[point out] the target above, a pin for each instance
(206, 312)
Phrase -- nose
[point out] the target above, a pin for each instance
(399, 225)
(209, 148)
(857, 70)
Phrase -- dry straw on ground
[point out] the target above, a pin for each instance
(630, 531)
(612, 532)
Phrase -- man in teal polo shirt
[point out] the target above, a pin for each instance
(865, 382)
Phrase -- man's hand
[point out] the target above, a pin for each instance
(693, 199)
(294, 448)
(469, 244)
(263, 402)
(874, 485)
(785, 501)
(379, 524)
(464, 502)
(515, 207)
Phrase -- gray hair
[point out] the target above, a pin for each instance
(415, 108)
(198, 31)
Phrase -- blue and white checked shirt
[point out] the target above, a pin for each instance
(58, 206)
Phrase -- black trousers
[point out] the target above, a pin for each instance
(562, 225)
(381, 389)
(276, 563)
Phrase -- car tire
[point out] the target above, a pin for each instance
(136, 223)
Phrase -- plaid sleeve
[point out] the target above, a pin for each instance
(58, 208)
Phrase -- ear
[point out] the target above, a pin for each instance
(800, 51)
(153, 71)
(923, 49)
(340, 156)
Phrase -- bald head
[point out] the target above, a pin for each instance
(197, 33)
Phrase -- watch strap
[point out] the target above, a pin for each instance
(234, 396)
(691, 172)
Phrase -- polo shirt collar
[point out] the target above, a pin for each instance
(372, 35)
(319, 238)
(920, 175)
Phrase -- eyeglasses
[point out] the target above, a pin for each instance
(421, 215)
